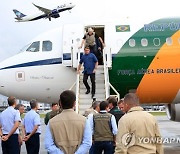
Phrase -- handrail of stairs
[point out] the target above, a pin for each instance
(117, 94)
(105, 74)
(77, 85)
(108, 85)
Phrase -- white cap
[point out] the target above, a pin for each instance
(90, 29)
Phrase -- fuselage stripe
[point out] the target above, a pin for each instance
(36, 63)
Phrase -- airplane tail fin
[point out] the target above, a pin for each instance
(18, 14)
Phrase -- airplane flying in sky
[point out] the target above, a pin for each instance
(45, 13)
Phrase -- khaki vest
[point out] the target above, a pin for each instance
(90, 39)
(67, 129)
(102, 127)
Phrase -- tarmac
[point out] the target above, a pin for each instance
(170, 132)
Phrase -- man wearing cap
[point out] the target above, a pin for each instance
(89, 40)
(9, 123)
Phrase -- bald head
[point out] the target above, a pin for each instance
(131, 99)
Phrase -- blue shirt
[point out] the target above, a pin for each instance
(113, 123)
(83, 148)
(89, 61)
(32, 119)
(8, 118)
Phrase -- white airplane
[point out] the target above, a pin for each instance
(45, 13)
(143, 57)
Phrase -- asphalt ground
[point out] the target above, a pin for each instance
(170, 132)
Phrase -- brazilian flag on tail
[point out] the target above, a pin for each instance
(122, 28)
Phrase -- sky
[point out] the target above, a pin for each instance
(14, 36)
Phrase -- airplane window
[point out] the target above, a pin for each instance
(132, 42)
(169, 41)
(156, 42)
(144, 42)
(47, 46)
(34, 47)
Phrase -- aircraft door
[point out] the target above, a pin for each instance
(109, 44)
(72, 37)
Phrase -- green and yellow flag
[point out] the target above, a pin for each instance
(122, 28)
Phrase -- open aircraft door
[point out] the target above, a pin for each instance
(72, 37)
(108, 31)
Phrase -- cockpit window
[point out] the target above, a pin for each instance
(34, 47)
(24, 48)
(47, 46)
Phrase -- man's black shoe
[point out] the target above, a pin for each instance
(88, 91)
(92, 95)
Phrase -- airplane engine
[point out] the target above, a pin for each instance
(173, 112)
(55, 13)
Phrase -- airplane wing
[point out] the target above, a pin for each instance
(46, 11)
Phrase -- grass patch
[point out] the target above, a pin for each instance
(42, 115)
(158, 113)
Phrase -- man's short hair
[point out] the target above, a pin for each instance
(131, 99)
(95, 104)
(33, 103)
(103, 105)
(67, 99)
(53, 104)
(113, 100)
(11, 100)
(86, 47)
(121, 101)
(18, 106)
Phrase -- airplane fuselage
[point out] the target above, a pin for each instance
(149, 63)
(55, 13)
(144, 60)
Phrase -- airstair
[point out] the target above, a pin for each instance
(103, 86)
(85, 100)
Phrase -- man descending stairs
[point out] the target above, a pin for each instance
(85, 100)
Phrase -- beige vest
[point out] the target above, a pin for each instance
(102, 127)
(143, 125)
(90, 39)
(67, 129)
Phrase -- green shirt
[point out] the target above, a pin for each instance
(47, 117)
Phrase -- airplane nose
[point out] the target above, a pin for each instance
(2, 81)
(4, 77)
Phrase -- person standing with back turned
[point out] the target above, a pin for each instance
(32, 129)
(68, 132)
(104, 129)
(136, 124)
(90, 65)
(9, 123)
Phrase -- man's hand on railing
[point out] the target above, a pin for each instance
(79, 47)
(78, 71)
